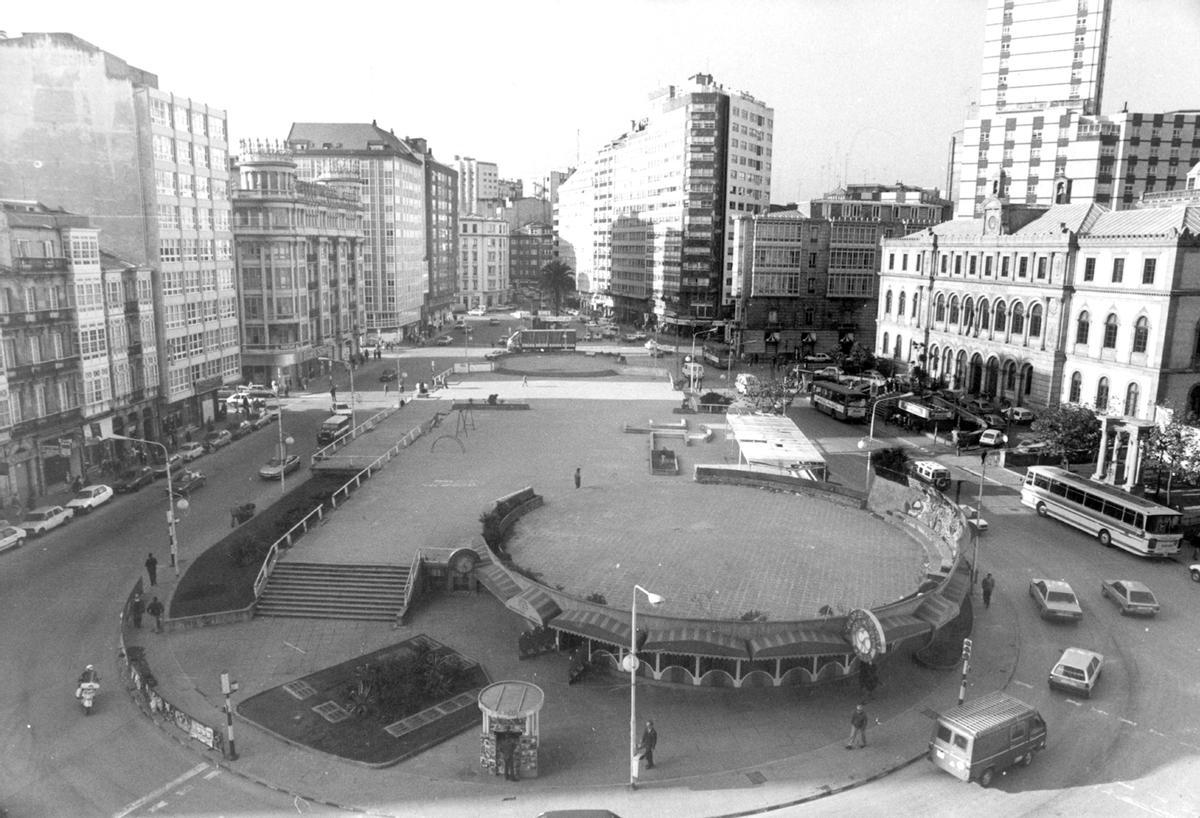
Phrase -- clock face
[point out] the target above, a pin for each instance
(993, 221)
(865, 634)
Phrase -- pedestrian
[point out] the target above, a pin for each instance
(155, 609)
(578, 477)
(858, 727)
(524, 380)
(645, 748)
(333, 393)
(988, 585)
(506, 746)
(137, 608)
(152, 568)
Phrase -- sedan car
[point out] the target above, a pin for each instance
(240, 429)
(973, 519)
(1077, 671)
(477, 311)
(191, 450)
(133, 479)
(1032, 447)
(1131, 597)
(818, 358)
(443, 340)
(1019, 414)
(275, 468)
(90, 497)
(11, 537)
(493, 322)
(187, 482)
(1055, 599)
(388, 376)
(43, 519)
(264, 419)
(995, 420)
(216, 439)
(174, 463)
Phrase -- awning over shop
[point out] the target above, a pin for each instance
(535, 605)
(902, 626)
(696, 642)
(593, 625)
(789, 644)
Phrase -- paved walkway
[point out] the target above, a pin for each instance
(756, 748)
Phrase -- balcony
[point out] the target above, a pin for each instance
(40, 265)
(42, 369)
(47, 423)
(32, 318)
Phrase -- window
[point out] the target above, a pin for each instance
(916, 304)
(1089, 269)
(900, 304)
(1076, 388)
(1081, 328)
(1131, 400)
(1001, 319)
(1018, 318)
(968, 312)
(884, 348)
(1041, 269)
(1035, 322)
(939, 314)
(1148, 270)
(954, 309)
(1118, 274)
(1022, 267)
(1141, 333)
(887, 305)
(985, 314)
(1102, 395)
(1110, 331)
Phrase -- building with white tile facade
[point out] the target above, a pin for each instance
(478, 186)
(483, 265)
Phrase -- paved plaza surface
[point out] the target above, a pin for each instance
(720, 751)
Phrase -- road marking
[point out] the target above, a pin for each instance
(1098, 710)
(209, 776)
(1072, 701)
(1127, 721)
(1155, 732)
(1131, 802)
(141, 802)
(1022, 684)
(293, 647)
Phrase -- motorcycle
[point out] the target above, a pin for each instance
(87, 695)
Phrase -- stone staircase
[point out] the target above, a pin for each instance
(327, 591)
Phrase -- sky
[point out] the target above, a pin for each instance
(863, 90)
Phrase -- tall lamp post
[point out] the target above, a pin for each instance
(171, 504)
(284, 442)
(865, 443)
(349, 369)
(631, 664)
(696, 335)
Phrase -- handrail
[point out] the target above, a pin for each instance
(414, 570)
(362, 428)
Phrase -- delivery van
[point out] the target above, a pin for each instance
(333, 428)
(931, 472)
(980, 739)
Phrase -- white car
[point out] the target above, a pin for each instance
(993, 439)
(340, 408)
(90, 497)
(190, 451)
(1019, 414)
(43, 519)
(477, 312)
(969, 512)
(818, 358)
(11, 537)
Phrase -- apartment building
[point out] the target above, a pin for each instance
(530, 249)
(478, 186)
(484, 262)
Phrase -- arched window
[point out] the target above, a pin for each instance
(884, 349)
(1131, 400)
(809, 316)
(1001, 319)
(954, 309)
(1018, 319)
(916, 304)
(887, 303)
(899, 346)
(1076, 388)
(900, 305)
(1035, 321)
(968, 312)
(939, 314)
(1141, 334)
(934, 360)
(1010, 376)
(1102, 396)
(1081, 328)
(984, 318)
(1110, 331)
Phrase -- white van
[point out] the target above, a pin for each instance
(746, 383)
(931, 472)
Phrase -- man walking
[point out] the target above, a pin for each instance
(136, 609)
(648, 743)
(988, 585)
(155, 609)
(152, 568)
(578, 477)
(506, 746)
(858, 727)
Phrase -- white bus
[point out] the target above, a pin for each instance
(841, 402)
(1112, 516)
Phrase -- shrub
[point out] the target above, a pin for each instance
(597, 598)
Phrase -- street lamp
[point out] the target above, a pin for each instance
(171, 504)
(631, 663)
(349, 369)
(284, 443)
(695, 335)
(864, 443)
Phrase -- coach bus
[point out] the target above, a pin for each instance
(1112, 516)
(843, 402)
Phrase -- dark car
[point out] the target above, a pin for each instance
(174, 463)
(388, 376)
(133, 479)
(187, 482)
(240, 429)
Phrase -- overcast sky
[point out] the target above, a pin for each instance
(869, 89)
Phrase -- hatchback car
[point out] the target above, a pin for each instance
(388, 375)
(1055, 599)
(444, 340)
(973, 519)
(191, 450)
(46, 518)
(1131, 597)
(1032, 447)
(11, 537)
(339, 408)
(1077, 671)
(477, 311)
(90, 497)
(240, 429)
(1019, 414)
(993, 439)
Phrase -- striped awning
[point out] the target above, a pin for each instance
(497, 580)
(593, 625)
(789, 644)
(902, 626)
(535, 605)
(696, 642)
(937, 611)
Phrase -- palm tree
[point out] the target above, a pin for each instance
(557, 280)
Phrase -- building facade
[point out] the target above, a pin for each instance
(484, 262)
(298, 250)
(530, 249)
(441, 239)
(478, 186)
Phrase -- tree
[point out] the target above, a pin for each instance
(557, 280)
(1067, 429)
(859, 359)
(1171, 448)
(891, 464)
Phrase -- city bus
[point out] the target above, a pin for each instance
(843, 402)
(1112, 516)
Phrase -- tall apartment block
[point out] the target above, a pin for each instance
(663, 199)
(478, 186)
(298, 248)
(85, 132)
(484, 264)
(441, 238)
(530, 249)
(395, 265)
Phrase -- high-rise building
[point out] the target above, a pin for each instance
(86, 132)
(664, 196)
(483, 266)
(478, 186)
(441, 237)
(395, 264)
(298, 248)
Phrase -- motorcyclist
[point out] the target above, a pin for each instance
(89, 674)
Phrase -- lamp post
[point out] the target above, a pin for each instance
(349, 369)
(696, 335)
(863, 442)
(284, 442)
(983, 458)
(171, 504)
(631, 663)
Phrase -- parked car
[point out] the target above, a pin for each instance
(970, 513)
(995, 420)
(443, 340)
(818, 358)
(1055, 600)
(1032, 447)
(339, 407)
(46, 518)
(133, 479)
(12, 536)
(388, 376)
(828, 373)
(239, 429)
(187, 482)
(477, 311)
(190, 451)
(493, 322)
(979, 406)
(1195, 570)
(993, 439)
(1019, 414)
(1077, 671)
(90, 498)
(1131, 597)
(216, 439)
(264, 419)
(174, 463)
(276, 468)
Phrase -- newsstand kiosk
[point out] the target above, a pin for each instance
(510, 708)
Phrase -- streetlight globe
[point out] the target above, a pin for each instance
(654, 599)
(862, 444)
(182, 504)
(289, 440)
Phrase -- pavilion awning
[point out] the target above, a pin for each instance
(696, 642)
(593, 625)
(789, 644)
(902, 626)
(937, 611)
(535, 605)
